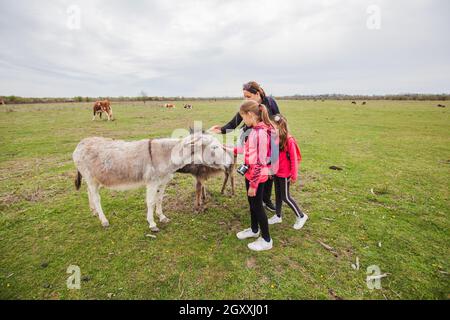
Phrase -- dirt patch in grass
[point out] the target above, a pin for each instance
(19, 168)
(9, 198)
(308, 177)
(32, 196)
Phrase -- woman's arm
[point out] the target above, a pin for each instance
(232, 124)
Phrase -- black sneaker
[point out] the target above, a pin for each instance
(270, 206)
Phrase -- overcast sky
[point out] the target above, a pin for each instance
(210, 48)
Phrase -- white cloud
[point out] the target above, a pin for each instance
(205, 48)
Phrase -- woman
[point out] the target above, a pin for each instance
(253, 91)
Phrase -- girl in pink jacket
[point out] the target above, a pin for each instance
(256, 170)
(287, 173)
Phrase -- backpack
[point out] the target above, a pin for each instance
(297, 150)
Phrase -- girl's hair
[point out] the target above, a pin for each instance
(283, 132)
(254, 88)
(258, 109)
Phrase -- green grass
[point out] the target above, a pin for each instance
(394, 190)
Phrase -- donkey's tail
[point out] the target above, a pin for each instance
(78, 180)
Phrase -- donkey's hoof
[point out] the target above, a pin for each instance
(165, 220)
(154, 229)
(199, 209)
(105, 224)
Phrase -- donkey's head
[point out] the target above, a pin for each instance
(201, 148)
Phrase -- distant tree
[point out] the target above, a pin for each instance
(144, 95)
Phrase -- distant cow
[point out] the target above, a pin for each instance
(169, 105)
(353, 102)
(102, 106)
(364, 103)
(441, 106)
(188, 106)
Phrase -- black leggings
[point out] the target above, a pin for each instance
(257, 214)
(268, 191)
(282, 194)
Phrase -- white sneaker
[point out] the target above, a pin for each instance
(300, 222)
(247, 233)
(260, 245)
(275, 219)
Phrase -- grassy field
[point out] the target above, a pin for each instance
(389, 207)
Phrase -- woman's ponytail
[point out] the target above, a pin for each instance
(265, 115)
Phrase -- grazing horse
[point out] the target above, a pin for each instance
(102, 106)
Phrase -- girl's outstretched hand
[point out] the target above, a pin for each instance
(215, 129)
(251, 192)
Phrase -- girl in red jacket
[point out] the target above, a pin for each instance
(288, 161)
(256, 170)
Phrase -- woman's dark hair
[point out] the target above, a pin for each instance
(254, 87)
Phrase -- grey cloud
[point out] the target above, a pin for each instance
(206, 48)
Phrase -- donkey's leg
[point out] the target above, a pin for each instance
(94, 190)
(203, 193)
(151, 199)
(198, 194)
(91, 203)
(232, 183)
(159, 200)
(225, 183)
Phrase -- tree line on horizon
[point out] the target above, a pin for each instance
(144, 98)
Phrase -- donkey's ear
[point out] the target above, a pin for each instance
(192, 131)
(192, 139)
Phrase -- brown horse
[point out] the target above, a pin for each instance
(102, 106)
